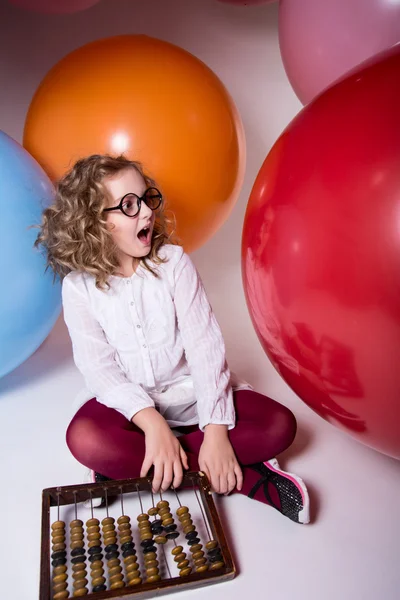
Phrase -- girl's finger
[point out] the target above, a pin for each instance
(158, 476)
(231, 481)
(167, 479)
(239, 477)
(184, 458)
(178, 473)
(223, 483)
(146, 466)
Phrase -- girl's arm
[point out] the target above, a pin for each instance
(204, 347)
(95, 358)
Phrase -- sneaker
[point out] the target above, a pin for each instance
(293, 495)
(93, 477)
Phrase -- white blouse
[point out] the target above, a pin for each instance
(151, 342)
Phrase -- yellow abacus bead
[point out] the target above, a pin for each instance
(150, 556)
(58, 539)
(182, 510)
(179, 557)
(123, 519)
(162, 504)
(115, 571)
(151, 563)
(152, 511)
(160, 539)
(146, 535)
(135, 581)
(182, 564)
(202, 569)
(200, 561)
(59, 587)
(196, 547)
(211, 545)
(80, 592)
(60, 569)
(58, 525)
(76, 523)
(188, 528)
(143, 517)
(61, 595)
(153, 578)
(130, 561)
(59, 546)
(80, 583)
(185, 572)
(98, 581)
(92, 522)
(60, 578)
(151, 571)
(177, 550)
(168, 521)
(217, 565)
(116, 585)
(198, 554)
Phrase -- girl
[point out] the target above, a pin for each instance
(159, 392)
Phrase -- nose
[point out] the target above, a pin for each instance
(145, 211)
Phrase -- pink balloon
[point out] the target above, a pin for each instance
(321, 40)
(55, 7)
(246, 2)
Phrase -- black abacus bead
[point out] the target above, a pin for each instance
(146, 543)
(191, 535)
(194, 541)
(58, 561)
(170, 528)
(111, 548)
(78, 559)
(59, 554)
(94, 550)
(156, 523)
(77, 551)
(95, 557)
(172, 536)
(215, 558)
(149, 549)
(111, 555)
(129, 552)
(127, 546)
(214, 552)
(100, 588)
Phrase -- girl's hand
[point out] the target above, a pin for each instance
(163, 451)
(217, 459)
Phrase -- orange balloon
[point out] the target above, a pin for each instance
(156, 103)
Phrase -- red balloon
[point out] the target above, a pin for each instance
(321, 254)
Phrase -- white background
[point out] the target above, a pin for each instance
(351, 549)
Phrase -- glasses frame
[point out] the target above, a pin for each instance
(140, 199)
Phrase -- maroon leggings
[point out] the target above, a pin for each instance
(104, 440)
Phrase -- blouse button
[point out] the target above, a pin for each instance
(138, 326)
(144, 346)
(132, 303)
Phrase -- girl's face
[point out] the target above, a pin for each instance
(127, 232)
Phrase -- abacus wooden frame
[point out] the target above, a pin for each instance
(67, 495)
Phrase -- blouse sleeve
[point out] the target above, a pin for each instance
(95, 357)
(204, 347)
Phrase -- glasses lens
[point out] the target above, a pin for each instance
(130, 205)
(153, 198)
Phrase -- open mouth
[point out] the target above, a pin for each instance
(144, 235)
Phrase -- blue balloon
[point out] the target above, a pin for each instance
(29, 301)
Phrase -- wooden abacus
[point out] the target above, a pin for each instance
(119, 567)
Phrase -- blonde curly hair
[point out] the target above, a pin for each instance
(73, 232)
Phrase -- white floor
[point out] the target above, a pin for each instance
(349, 552)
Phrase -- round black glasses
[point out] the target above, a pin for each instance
(130, 203)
